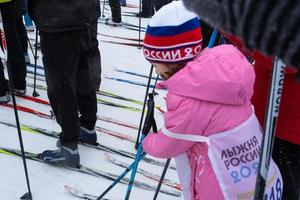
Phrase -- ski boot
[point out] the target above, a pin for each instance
(66, 155)
(88, 136)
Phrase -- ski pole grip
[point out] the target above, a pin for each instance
(149, 116)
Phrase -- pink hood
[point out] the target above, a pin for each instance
(215, 76)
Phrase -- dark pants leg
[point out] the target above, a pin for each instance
(287, 156)
(67, 73)
(15, 53)
(3, 81)
(147, 7)
(115, 7)
(95, 59)
(22, 34)
(160, 3)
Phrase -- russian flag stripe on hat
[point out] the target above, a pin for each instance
(192, 36)
(173, 30)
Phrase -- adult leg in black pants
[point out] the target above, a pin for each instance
(65, 57)
(15, 53)
(160, 3)
(23, 38)
(115, 7)
(95, 58)
(147, 9)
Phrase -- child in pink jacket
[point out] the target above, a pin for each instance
(210, 126)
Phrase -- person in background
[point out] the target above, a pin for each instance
(10, 16)
(115, 7)
(286, 150)
(209, 118)
(149, 7)
(66, 45)
(260, 24)
(95, 57)
(21, 10)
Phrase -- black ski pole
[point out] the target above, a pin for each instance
(162, 178)
(35, 93)
(26, 196)
(275, 90)
(144, 106)
(140, 21)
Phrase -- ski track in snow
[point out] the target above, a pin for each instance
(47, 182)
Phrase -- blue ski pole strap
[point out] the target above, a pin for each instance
(149, 120)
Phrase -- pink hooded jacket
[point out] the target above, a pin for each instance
(211, 94)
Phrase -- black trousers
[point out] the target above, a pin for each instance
(22, 34)
(287, 156)
(95, 58)
(148, 7)
(15, 52)
(160, 3)
(70, 91)
(115, 7)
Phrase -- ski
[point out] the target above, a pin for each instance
(115, 134)
(29, 110)
(99, 100)
(81, 194)
(119, 37)
(46, 116)
(275, 92)
(86, 170)
(127, 5)
(128, 15)
(34, 99)
(132, 28)
(111, 95)
(100, 147)
(123, 43)
(136, 74)
(130, 6)
(117, 122)
(129, 81)
(99, 92)
(145, 173)
(99, 117)
(106, 20)
(37, 66)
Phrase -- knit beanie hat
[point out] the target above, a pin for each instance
(173, 35)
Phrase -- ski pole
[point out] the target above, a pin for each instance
(26, 196)
(140, 21)
(128, 169)
(275, 90)
(35, 93)
(144, 106)
(149, 122)
(162, 178)
(102, 14)
(212, 38)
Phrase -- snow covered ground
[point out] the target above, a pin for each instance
(47, 182)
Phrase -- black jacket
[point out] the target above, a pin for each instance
(55, 16)
(269, 26)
